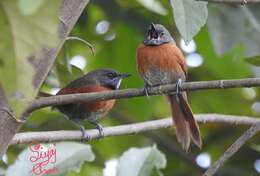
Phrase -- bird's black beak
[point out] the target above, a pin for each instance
(124, 75)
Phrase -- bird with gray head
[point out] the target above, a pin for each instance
(160, 62)
(157, 35)
(99, 80)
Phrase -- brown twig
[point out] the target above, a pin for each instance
(128, 93)
(51, 136)
(233, 149)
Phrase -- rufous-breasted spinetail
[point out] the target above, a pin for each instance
(160, 62)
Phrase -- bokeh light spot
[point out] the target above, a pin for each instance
(110, 167)
(78, 61)
(256, 107)
(194, 60)
(102, 27)
(249, 93)
(110, 37)
(54, 91)
(257, 165)
(190, 48)
(203, 160)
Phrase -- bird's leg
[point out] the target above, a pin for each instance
(85, 136)
(178, 84)
(179, 97)
(178, 92)
(100, 129)
(146, 89)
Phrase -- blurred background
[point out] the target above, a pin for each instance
(115, 28)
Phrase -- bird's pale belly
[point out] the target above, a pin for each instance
(154, 76)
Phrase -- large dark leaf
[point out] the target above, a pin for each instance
(26, 31)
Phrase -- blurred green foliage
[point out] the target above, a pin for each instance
(224, 34)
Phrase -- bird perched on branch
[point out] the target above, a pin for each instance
(160, 61)
(99, 80)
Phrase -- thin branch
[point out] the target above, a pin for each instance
(127, 93)
(51, 136)
(91, 47)
(234, 2)
(233, 149)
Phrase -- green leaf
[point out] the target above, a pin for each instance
(23, 40)
(225, 36)
(154, 6)
(253, 60)
(140, 162)
(189, 16)
(69, 155)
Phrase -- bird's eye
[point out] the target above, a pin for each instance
(162, 34)
(111, 75)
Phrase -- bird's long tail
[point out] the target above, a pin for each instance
(186, 126)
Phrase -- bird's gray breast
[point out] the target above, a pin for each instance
(155, 76)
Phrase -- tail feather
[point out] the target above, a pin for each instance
(194, 127)
(186, 126)
(181, 125)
